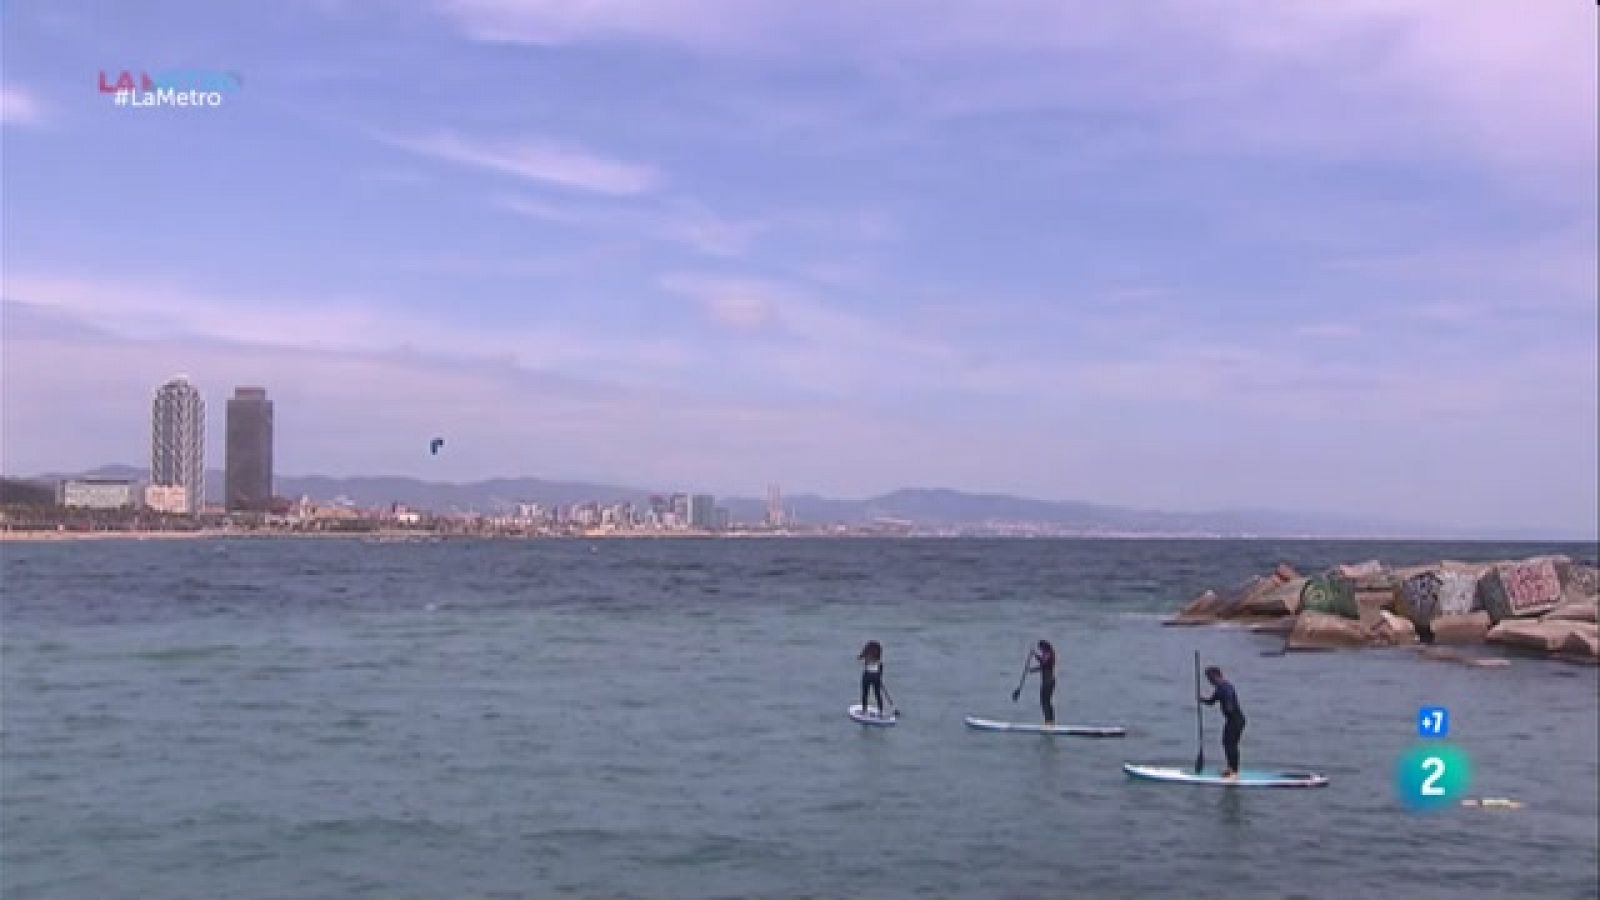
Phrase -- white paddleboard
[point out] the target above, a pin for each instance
(869, 716)
(1261, 778)
(1061, 730)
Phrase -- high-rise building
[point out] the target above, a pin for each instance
(774, 506)
(703, 512)
(178, 441)
(249, 464)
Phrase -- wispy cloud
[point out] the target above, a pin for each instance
(365, 412)
(537, 160)
(1548, 274)
(19, 106)
(686, 224)
(763, 308)
(163, 310)
(1437, 77)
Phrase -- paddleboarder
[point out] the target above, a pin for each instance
(871, 657)
(1233, 717)
(1044, 662)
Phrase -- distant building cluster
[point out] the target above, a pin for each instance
(663, 513)
(177, 487)
(177, 483)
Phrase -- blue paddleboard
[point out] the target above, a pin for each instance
(978, 724)
(1257, 778)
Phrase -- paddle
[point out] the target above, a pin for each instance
(1023, 680)
(891, 700)
(1199, 719)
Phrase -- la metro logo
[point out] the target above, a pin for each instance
(125, 83)
(176, 79)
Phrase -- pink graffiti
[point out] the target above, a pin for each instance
(1530, 585)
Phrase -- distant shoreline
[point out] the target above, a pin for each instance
(419, 537)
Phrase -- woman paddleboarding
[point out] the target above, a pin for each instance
(1044, 662)
(871, 657)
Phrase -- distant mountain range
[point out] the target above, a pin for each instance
(924, 508)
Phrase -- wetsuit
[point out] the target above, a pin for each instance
(1233, 721)
(872, 677)
(1047, 683)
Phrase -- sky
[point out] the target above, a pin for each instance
(1189, 255)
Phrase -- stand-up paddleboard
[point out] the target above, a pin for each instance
(1105, 731)
(1258, 778)
(869, 716)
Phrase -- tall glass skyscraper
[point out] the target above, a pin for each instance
(178, 441)
(249, 465)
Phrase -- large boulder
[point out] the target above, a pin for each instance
(1579, 582)
(1325, 631)
(1282, 625)
(1332, 594)
(1258, 597)
(1535, 634)
(1359, 570)
(1281, 599)
(1471, 628)
(1370, 603)
(1245, 597)
(1390, 630)
(1206, 608)
(1437, 592)
(1520, 589)
(1575, 611)
(1583, 642)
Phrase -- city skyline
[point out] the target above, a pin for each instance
(1165, 256)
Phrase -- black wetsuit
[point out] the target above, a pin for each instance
(1047, 684)
(872, 677)
(1233, 724)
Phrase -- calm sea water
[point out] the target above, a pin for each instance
(303, 718)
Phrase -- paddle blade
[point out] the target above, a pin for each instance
(1015, 694)
(1199, 762)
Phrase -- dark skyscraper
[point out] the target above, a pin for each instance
(249, 481)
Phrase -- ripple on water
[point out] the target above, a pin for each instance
(573, 722)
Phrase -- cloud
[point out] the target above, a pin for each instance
(1386, 78)
(80, 399)
(19, 106)
(167, 310)
(553, 23)
(1550, 274)
(760, 307)
(686, 224)
(537, 160)
(365, 412)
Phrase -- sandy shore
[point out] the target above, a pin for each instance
(59, 536)
(390, 536)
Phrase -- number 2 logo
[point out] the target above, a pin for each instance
(1435, 765)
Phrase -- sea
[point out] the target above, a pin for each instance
(310, 718)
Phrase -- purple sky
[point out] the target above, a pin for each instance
(1183, 255)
